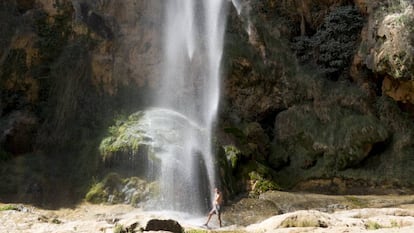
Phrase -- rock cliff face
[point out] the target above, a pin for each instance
(329, 83)
(66, 69)
(62, 58)
(317, 95)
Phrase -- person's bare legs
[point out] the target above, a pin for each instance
(219, 218)
(208, 218)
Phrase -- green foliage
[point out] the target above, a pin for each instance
(96, 194)
(371, 225)
(101, 191)
(232, 154)
(119, 229)
(260, 177)
(115, 189)
(8, 207)
(123, 137)
(263, 186)
(334, 44)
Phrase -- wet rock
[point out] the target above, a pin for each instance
(164, 225)
(18, 132)
(114, 189)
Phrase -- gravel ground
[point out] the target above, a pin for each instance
(381, 213)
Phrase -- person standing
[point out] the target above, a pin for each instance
(218, 201)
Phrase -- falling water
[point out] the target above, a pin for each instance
(237, 5)
(188, 101)
(243, 9)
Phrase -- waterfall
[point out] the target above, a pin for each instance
(187, 102)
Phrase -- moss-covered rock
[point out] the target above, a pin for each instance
(326, 146)
(124, 136)
(259, 184)
(257, 178)
(242, 171)
(233, 155)
(114, 189)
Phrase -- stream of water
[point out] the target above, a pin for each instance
(187, 102)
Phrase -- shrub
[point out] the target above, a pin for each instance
(333, 45)
(8, 207)
(370, 225)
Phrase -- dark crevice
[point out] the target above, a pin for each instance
(407, 108)
(371, 160)
(268, 122)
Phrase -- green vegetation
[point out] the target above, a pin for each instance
(260, 178)
(96, 194)
(263, 186)
(123, 137)
(115, 189)
(371, 225)
(334, 44)
(232, 154)
(8, 207)
(101, 191)
(119, 229)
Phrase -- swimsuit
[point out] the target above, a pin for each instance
(216, 209)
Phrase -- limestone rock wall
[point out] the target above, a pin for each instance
(68, 62)
(67, 69)
(329, 82)
(315, 95)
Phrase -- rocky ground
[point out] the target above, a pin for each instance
(297, 213)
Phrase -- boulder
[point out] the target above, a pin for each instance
(164, 225)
